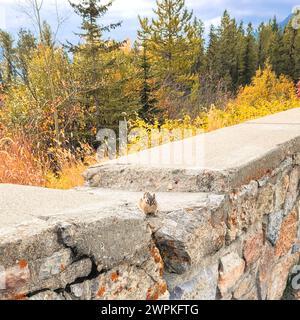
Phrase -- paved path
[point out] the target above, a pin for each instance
(234, 153)
(224, 148)
(22, 204)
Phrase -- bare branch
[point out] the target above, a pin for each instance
(33, 10)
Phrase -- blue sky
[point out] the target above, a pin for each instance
(12, 16)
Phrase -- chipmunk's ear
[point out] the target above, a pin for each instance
(154, 196)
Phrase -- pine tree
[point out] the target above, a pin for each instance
(90, 12)
(175, 46)
(148, 101)
(264, 42)
(7, 53)
(290, 51)
(250, 62)
(297, 57)
(240, 56)
(228, 40)
(47, 35)
(199, 60)
(213, 59)
(25, 46)
(276, 51)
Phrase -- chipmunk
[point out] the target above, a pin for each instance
(148, 204)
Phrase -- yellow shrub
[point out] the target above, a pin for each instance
(267, 94)
(152, 135)
(69, 177)
(71, 169)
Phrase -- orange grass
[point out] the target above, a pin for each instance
(71, 169)
(17, 163)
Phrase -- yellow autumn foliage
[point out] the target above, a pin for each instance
(70, 177)
(266, 95)
(71, 169)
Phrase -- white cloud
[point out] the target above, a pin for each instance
(209, 11)
(2, 19)
(131, 9)
(215, 21)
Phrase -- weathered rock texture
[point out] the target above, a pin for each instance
(244, 247)
(227, 232)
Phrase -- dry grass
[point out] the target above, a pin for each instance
(267, 94)
(69, 177)
(17, 163)
(71, 169)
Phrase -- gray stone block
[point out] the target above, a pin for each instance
(47, 295)
(189, 235)
(202, 286)
(274, 226)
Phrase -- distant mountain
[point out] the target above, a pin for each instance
(281, 24)
(284, 23)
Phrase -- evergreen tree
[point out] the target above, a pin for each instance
(24, 51)
(91, 11)
(7, 53)
(264, 42)
(290, 51)
(240, 56)
(297, 57)
(199, 60)
(47, 35)
(250, 63)
(228, 40)
(148, 101)
(276, 51)
(175, 45)
(94, 47)
(213, 59)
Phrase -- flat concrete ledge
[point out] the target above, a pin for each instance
(33, 219)
(239, 239)
(23, 204)
(29, 211)
(51, 239)
(94, 243)
(211, 162)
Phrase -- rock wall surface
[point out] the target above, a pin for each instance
(227, 231)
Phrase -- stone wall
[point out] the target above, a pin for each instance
(244, 247)
(228, 232)
(78, 249)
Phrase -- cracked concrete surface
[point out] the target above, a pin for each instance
(217, 161)
(96, 244)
